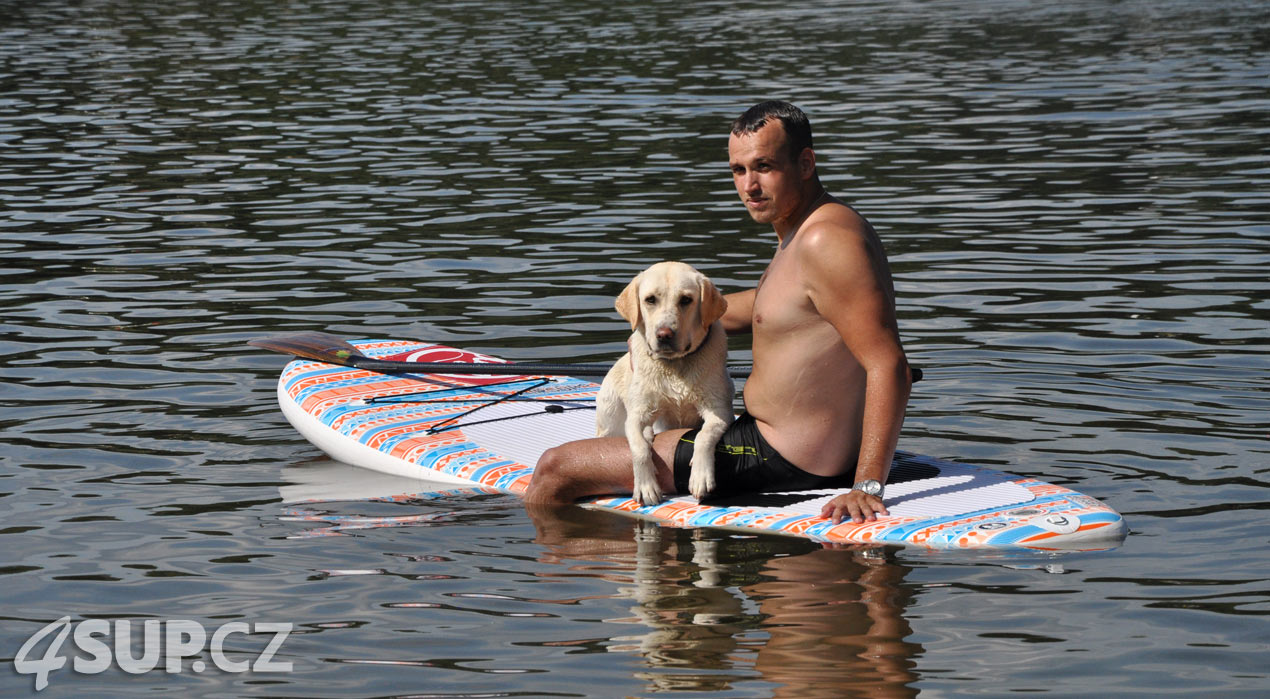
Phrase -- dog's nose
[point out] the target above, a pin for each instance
(665, 335)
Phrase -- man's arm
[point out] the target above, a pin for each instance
(740, 314)
(849, 285)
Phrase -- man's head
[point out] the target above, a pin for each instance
(793, 120)
(772, 163)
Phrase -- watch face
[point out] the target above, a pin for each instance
(869, 487)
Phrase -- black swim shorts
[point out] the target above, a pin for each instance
(745, 463)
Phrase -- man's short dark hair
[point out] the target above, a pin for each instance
(797, 127)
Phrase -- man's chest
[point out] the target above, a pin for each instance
(781, 303)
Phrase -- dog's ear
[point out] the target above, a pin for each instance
(713, 305)
(627, 303)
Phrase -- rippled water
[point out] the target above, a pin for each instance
(1074, 200)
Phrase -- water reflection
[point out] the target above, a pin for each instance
(1073, 196)
(810, 620)
(704, 610)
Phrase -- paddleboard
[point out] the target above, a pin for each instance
(488, 430)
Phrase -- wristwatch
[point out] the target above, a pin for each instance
(869, 487)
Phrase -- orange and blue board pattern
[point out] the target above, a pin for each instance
(378, 411)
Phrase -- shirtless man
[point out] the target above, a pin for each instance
(830, 384)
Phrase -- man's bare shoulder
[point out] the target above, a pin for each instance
(836, 213)
(844, 264)
(834, 235)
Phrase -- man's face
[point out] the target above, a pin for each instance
(768, 180)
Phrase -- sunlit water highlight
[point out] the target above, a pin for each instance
(1073, 197)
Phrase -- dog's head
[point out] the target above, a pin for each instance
(672, 306)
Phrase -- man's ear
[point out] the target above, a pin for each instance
(713, 305)
(807, 163)
(627, 303)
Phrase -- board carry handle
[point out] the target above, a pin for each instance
(325, 347)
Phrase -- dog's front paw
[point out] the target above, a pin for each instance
(646, 491)
(701, 480)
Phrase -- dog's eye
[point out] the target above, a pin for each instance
(650, 300)
(685, 300)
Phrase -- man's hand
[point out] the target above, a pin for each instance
(856, 506)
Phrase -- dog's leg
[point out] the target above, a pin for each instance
(701, 479)
(610, 411)
(639, 434)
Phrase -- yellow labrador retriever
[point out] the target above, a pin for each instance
(675, 374)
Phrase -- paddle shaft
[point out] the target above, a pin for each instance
(384, 366)
(324, 347)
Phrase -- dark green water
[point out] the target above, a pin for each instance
(1074, 201)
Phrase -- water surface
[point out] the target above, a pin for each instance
(1073, 197)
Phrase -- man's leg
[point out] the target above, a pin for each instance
(598, 466)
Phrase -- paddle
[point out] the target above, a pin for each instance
(325, 347)
(328, 348)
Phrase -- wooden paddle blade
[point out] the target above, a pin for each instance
(324, 347)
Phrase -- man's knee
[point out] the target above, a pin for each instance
(547, 485)
(550, 463)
